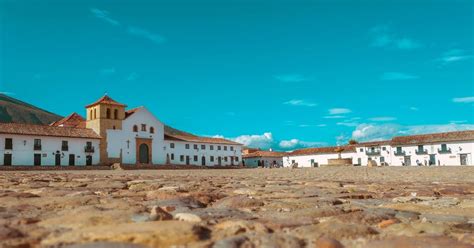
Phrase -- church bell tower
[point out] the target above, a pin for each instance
(102, 115)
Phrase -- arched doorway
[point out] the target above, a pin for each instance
(143, 154)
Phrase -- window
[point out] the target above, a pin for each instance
(95, 114)
(152, 130)
(135, 128)
(171, 145)
(90, 114)
(384, 148)
(231, 148)
(420, 147)
(211, 147)
(89, 144)
(115, 114)
(37, 145)
(64, 146)
(225, 159)
(399, 149)
(8, 144)
(195, 158)
(237, 159)
(108, 113)
(382, 160)
(187, 146)
(144, 127)
(211, 158)
(195, 146)
(225, 148)
(219, 148)
(361, 149)
(181, 158)
(444, 147)
(292, 161)
(172, 156)
(203, 147)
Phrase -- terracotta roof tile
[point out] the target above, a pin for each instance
(373, 143)
(322, 150)
(199, 139)
(106, 100)
(43, 130)
(270, 154)
(434, 138)
(73, 120)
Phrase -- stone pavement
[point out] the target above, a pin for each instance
(314, 207)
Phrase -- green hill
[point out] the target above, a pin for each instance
(14, 110)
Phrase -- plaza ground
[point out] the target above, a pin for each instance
(350, 206)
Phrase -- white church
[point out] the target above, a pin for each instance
(111, 134)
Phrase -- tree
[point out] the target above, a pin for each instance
(353, 142)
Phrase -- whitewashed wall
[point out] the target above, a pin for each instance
(23, 153)
(253, 162)
(452, 158)
(363, 158)
(180, 149)
(117, 139)
(321, 159)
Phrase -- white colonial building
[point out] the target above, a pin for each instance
(379, 152)
(265, 159)
(110, 134)
(451, 148)
(22, 144)
(315, 157)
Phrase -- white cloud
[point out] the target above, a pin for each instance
(132, 76)
(383, 118)
(467, 99)
(368, 132)
(137, 31)
(296, 144)
(104, 15)
(293, 78)
(454, 55)
(263, 141)
(397, 76)
(348, 124)
(132, 30)
(299, 102)
(334, 117)
(107, 71)
(338, 111)
(383, 37)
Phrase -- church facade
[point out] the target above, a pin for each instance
(111, 134)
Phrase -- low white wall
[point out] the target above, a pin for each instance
(253, 162)
(319, 159)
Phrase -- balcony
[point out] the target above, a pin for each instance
(421, 152)
(444, 151)
(65, 148)
(372, 153)
(400, 153)
(89, 149)
(37, 147)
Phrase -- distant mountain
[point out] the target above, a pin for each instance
(16, 111)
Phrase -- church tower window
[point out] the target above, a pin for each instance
(115, 114)
(108, 113)
(135, 128)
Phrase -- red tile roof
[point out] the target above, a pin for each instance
(373, 143)
(198, 139)
(269, 154)
(322, 150)
(73, 120)
(42, 130)
(106, 100)
(434, 138)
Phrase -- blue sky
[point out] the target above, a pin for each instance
(281, 74)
